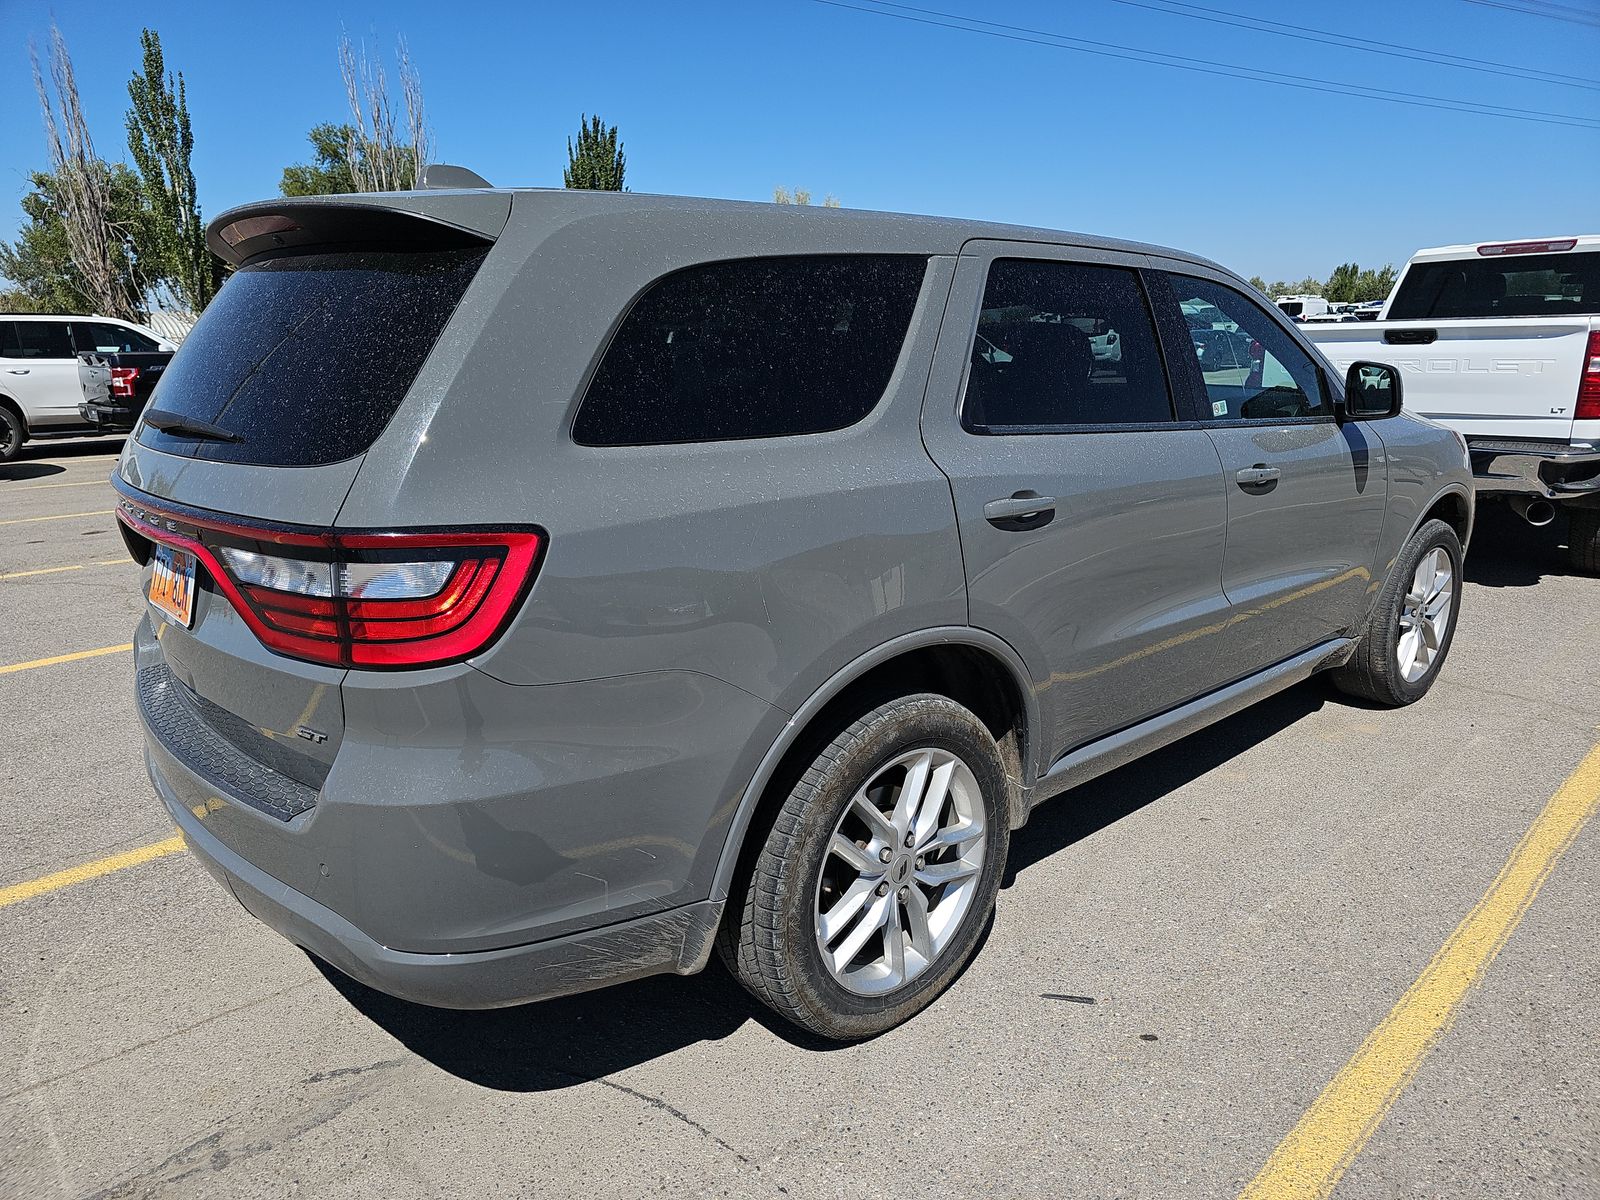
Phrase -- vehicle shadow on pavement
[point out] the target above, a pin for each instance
(17, 471)
(86, 447)
(1508, 552)
(1088, 809)
(579, 1039)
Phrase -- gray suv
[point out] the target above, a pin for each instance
(548, 588)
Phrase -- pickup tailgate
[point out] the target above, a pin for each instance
(1507, 377)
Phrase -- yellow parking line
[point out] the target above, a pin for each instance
(1309, 1162)
(99, 562)
(18, 892)
(39, 487)
(64, 658)
(99, 512)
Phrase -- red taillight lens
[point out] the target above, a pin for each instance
(371, 600)
(1589, 383)
(122, 381)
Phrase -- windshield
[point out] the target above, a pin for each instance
(305, 358)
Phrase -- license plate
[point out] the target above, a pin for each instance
(172, 585)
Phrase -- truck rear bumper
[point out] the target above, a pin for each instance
(1549, 470)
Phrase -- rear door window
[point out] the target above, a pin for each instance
(753, 348)
(1250, 368)
(104, 338)
(1520, 285)
(35, 339)
(1064, 344)
(306, 357)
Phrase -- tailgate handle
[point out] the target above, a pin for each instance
(1410, 337)
(1020, 507)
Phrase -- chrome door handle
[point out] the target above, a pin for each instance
(1257, 475)
(18, 370)
(1023, 506)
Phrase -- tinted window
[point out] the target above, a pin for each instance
(106, 338)
(35, 339)
(764, 347)
(1252, 369)
(1064, 344)
(307, 357)
(1519, 285)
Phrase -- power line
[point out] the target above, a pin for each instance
(1554, 12)
(1203, 66)
(1327, 37)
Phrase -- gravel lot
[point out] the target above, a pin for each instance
(1185, 954)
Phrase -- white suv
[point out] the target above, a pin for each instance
(39, 387)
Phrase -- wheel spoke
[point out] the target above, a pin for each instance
(863, 807)
(870, 922)
(911, 790)
(858, 859)
(917, 922)
(832, 923)
(950, 835)
(935, 874)
(927, 818)
(894, 941)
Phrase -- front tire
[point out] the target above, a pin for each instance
(1411, 626)
(879, 873)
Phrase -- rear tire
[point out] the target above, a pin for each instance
(829, 934)
(1583, 539)
(1412, 623)
(12, 434)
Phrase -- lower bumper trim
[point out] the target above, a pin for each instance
(677, 941)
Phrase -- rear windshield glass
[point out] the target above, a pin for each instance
(1521, 285)
(762, 347)
(305, 358)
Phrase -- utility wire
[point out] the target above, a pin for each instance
(1038, 37)
(1555, 12)
(1218, 16)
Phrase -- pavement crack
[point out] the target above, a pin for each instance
(657, 1102)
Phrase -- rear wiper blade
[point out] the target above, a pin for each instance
(176, 423)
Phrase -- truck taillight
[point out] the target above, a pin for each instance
(1589, 383)
(379, 601)
(122, 381)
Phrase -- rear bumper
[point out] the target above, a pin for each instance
(1550, 470)
(112, 418)
(678, 940)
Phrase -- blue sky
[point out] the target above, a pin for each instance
(730, 99)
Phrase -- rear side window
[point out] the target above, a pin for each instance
(1521, 285)
(35, 339)
(754, 348)
(105, 338)
(1063, 344)
(305, 358)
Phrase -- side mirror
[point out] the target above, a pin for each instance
(1371, 391)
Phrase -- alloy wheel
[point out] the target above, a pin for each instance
(900, 872)
(1425, 613)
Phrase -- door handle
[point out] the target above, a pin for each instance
(18, 370)
(1021, 506)
(1257, 475)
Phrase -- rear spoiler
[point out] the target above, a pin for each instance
(373, 221)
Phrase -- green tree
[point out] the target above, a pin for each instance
(1342, 284)
(45, 270)
(1376, 285)
(597, 162)
(328, 172)
(801, 196)
(162, 143)
(1259, 284)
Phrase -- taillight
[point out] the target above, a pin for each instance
(1589, 382)
(122, 381)
(370, 600)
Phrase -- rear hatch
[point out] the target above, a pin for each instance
(245, 453)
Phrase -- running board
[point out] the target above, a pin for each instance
(1119, 749)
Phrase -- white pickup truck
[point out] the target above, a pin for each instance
(1501, 342)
